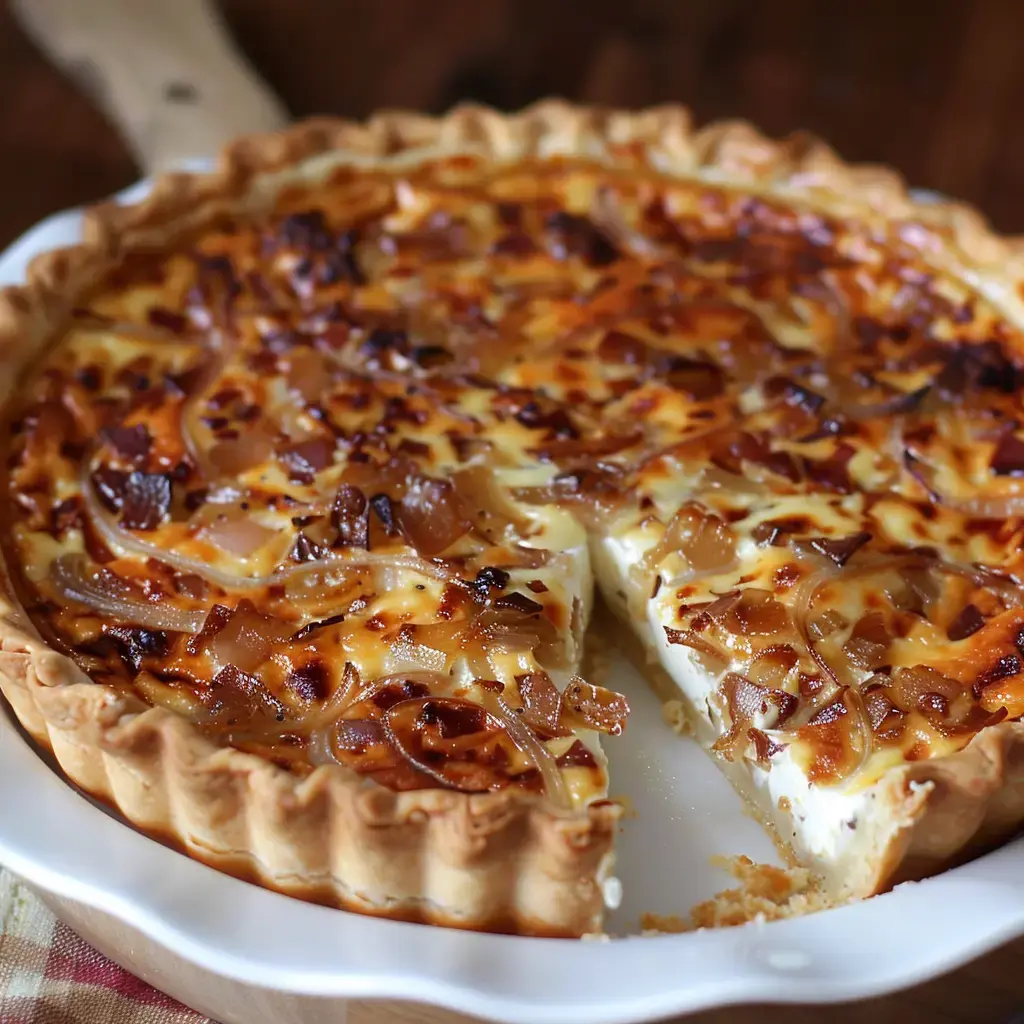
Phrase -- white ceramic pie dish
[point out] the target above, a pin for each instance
(242, 954)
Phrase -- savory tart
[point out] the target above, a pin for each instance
(312, 466)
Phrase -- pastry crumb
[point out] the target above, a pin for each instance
(765, 893)
(595, 937)
(674, 714)
(663, 924)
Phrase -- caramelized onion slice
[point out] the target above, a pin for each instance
(712, 658)
(104, 592)
(803, 601)
(542, 703)
(247, 638)
(595, 707)
(238, 535)
(486, 505)
(125, 543)
(434, 735)
(527, 742)
(702, 538)
(430, 516)
(1002, 506)
(756, 612)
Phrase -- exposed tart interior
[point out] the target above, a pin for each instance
(331, 475)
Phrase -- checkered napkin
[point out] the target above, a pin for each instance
(48, 975)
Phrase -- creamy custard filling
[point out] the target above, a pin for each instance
(814, 823)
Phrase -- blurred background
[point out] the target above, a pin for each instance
(933, 87)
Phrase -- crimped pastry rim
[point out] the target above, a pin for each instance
(519, 865)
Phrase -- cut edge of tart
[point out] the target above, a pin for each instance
(504, 860)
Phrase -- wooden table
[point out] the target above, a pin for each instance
(57, 150)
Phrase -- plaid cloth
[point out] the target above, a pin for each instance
(48, 975)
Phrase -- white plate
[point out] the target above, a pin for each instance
(239, 949)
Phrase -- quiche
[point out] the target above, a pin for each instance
(313, 466)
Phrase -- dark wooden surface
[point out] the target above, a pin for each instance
(933, 87)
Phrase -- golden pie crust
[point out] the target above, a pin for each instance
(501, 860)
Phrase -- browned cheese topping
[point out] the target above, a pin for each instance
(316, 478)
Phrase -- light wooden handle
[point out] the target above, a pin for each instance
(165, 71)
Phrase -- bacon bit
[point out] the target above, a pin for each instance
(598, 708)
(408, 446)
(840, 549)
(305, 459)
(795, 394)
(310, 681)
(453, 598)
(542, 703)
(519, 603)
(698, 378)
(306, 550)
(384, 510)
(966, 624)
(747, 699)
(688, 638)
(383, 342)
(166, 318)
(489, 578)
(1008, 458)
(828, 715)
(619, 347)
(765, 748)
(509, 214)
(514, 243)
(453, 718)
(715, 611)
(190, 585)
(832, 473)
(1007, 665)
(216, 618)
(240, 702)
(133, 443)
(557, 421)
(67, 515)
(110, 487)
(350, 517)
(537, 586)
(579, 755)
(135, 644)
(146, 501)
(307, 229)
(746, 447)
(885, 718)
(576, 235)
